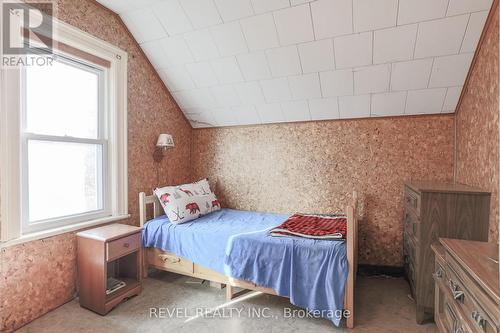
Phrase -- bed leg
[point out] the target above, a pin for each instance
(350, 322)
(144, 263)
(229, 292)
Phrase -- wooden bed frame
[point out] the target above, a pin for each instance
(167, 261)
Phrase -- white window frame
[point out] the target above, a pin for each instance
(28, 226)
(13, 191)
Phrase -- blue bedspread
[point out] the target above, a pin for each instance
(312, 273)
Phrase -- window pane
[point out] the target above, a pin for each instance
(62, 100)
(64, 179)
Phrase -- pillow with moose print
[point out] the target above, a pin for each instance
(187, 202)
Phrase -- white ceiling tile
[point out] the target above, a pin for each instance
(425, 101)
(202, 74)
(155, 54)
(457, 7)
(410, 75)
(298, 2)
(201, 44)
(144, 25)
(371, 15)
(450, 70)
(261, 6)
(227, 70)
(388, 104)
(294, 25)
(394, 44)
(324, 108)
(440, 37)
(260, 32)
(225, 116)
(284, 61)
(296, 111)
(411, 11)
(337, 83)
(372, 79)
(196, 98)
(119, 6)
(202, 13)
(305, 86)
(246, 115)
(202, 117)
(451, 100)
(183, 99)
(225, 96)
(321, 59)
(229, 39)
(254, 66)
(250, 93)
(234, 9)
(332, 18)
(172, 16)
(176, 51)
(276, 90)
(270, 113)
(353, 50)
(474, 30)
(176, 78)
(354, 106)
(317, 56)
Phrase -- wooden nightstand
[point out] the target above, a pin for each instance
(112, 251)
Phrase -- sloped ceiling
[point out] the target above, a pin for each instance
(238, 62)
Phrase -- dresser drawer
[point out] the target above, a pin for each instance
(169, 261)
(122, 246)
(410, 248)
(471, 311)
(412, 200)
(450, 314)
(410, 264)
(411, 224)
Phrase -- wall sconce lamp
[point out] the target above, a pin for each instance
(164, 142)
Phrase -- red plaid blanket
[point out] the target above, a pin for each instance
(313, 226)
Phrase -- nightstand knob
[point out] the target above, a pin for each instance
(126, 245)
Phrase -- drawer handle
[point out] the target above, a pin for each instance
(166, 258)
(479, 320)
(126, 245)
(457, 293)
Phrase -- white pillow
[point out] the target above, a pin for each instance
(187, 202)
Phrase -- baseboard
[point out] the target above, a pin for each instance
(372, 270)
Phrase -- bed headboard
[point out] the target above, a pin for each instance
(144, 201)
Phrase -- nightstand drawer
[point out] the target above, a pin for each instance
(122, 246)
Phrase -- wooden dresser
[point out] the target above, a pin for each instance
(467, 287)
(433, 210)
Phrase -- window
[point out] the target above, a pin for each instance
(64, 144)
(63, 131)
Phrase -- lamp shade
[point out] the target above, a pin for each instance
(165, 141)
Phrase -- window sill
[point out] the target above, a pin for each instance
(61, 230)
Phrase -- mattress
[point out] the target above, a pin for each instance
(311, 272)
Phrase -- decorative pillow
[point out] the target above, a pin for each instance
(187, 202)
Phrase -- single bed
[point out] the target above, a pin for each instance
(234, 248)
